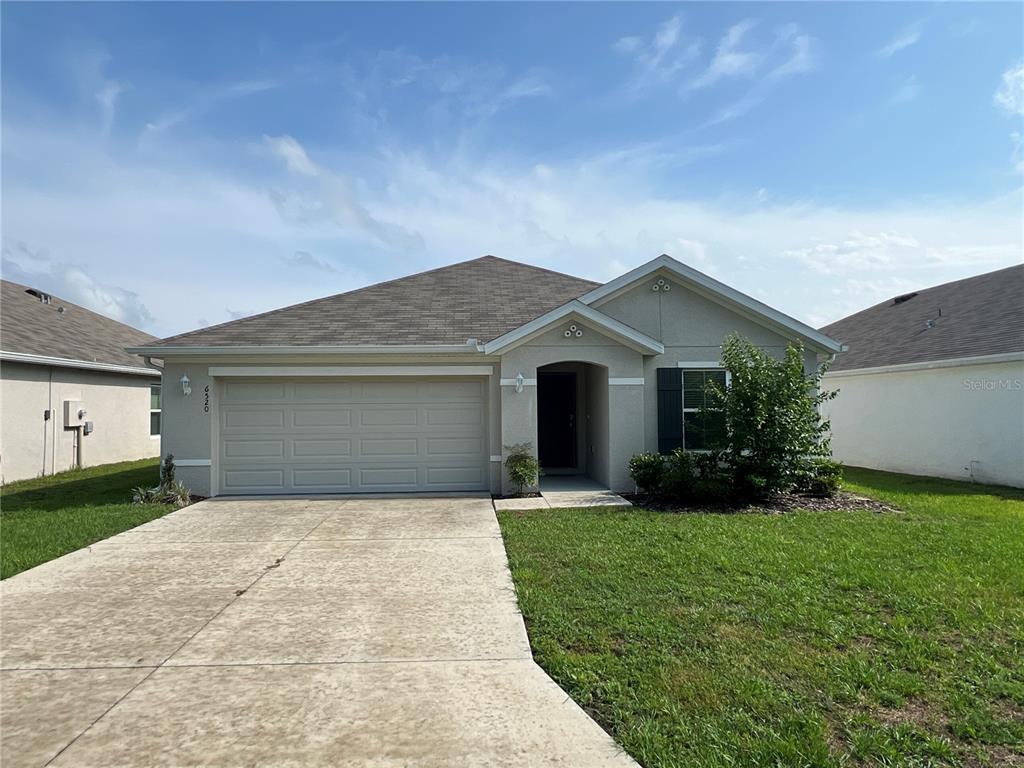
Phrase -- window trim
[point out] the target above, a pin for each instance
(696, 366)
(153, 410)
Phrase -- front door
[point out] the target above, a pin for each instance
(556, 419)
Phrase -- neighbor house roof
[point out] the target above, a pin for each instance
(36, 327)
(975, 317)
(479, 299)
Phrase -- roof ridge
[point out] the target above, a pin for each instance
(539, 269)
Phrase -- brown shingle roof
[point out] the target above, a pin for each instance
(981, 315)
(480, 299)
(29, 326)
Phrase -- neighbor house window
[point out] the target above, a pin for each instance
(701, 431)
(154, 410)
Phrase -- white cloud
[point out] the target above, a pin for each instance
(907, 89)
(306, 260)
(1010, 94)
(107, 97)
(628, 44)
(661, 58)
(331, 197)
(208, 99)
(793, 52)
(803, 54)
(729, 59)
(289, 150)
(906, 38)
(187, 234)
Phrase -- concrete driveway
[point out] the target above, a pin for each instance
(343, 632)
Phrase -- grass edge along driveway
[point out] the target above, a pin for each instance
(806, 638)
(46, 517)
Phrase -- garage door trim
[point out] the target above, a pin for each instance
(427, 467)
(342, 371)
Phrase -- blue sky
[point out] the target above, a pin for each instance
(182, 164)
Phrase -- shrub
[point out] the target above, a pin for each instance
(820, 477)
(680, 475)
(142, 495)
(772, 417)
(712, 478)
(522, 466)
(169, 491)
(177, 494)
(648, 472)
(167, 471)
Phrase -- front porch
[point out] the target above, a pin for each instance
(564, 492)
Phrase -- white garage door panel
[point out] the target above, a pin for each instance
(322, 436)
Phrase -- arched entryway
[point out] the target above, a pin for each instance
(572, 422)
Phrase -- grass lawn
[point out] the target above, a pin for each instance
(806, 638)
(50, 516)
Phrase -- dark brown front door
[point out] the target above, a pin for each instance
(556, 419)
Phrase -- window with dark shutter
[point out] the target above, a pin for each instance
(670, 409)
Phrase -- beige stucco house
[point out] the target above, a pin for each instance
(70, 395)
(933, 382)
(421, 383)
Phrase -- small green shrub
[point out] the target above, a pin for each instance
(176, 494)
(680, 475)
(522, 466)
(170, 491)
(821, 477)
(167, 471)
(142, 495)
(648, 472)
(713, 479)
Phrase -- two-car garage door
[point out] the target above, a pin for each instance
(317, 435)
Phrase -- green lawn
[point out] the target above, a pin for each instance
(807, 638)
(50, 516)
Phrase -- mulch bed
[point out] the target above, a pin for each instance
(786, 502)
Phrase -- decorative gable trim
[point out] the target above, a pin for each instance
(717, 291)
(621, 332)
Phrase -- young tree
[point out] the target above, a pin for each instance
(773, 426)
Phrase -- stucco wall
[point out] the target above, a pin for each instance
(692, 328)
(598, 437)
(625, 403)
(964, 422)
(117, 404)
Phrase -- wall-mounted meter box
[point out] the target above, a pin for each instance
(87, 428)
(74, 413)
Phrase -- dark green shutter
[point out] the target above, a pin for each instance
(670, 409)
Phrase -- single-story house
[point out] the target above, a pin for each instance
(70, 394)
(933, 382)
(422, 383)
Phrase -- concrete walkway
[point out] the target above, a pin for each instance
(350, 632)
(562, 492)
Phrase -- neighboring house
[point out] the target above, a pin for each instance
(933, 382)
(421, 384)
(69, 393)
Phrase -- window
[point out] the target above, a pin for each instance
(701, 430)
(154, 410)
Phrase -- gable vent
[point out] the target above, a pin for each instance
(904, 297)
(43, 297)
